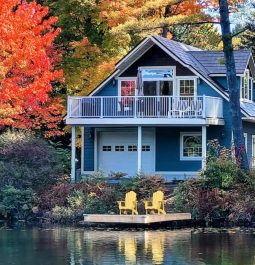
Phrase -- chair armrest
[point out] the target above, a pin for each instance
(147, 203)
(120, 203)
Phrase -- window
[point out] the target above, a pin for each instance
(253, 151)
(132, 148)
(119, 148)
(245, 140)
(107, 148)
(187, 87)
(146, 148)
(156, 81)
(191, 146)
(157, 74)
(127, 87)
(246, 86)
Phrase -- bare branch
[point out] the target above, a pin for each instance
(179, 24)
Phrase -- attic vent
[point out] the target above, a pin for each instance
(221, 60)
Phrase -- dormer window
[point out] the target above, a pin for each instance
(246, 86)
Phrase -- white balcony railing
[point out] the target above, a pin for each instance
(145, 107)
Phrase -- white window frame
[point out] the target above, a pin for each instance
(250, 95)
(180, 78)
(252, 152)
(184, 158)
(245, 135)
(120, 79)
(159, 67)
(159, 79)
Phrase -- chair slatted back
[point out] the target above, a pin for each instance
(157, 199)
(130, 199)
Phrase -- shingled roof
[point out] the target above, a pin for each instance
(214, 63)
(206, 62)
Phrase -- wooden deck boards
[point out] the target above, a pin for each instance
(135, 219)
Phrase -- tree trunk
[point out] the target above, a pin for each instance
(234, 93)
(165, 28)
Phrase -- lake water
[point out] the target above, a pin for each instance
(62, 246)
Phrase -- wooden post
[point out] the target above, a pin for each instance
(73, 154)
(203, 147)
(139, 150)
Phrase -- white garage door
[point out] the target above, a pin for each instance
(117, 151)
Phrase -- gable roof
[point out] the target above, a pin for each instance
(203, 63)
(182, 52)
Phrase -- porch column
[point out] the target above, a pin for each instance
(203, 147)
(73, 154)
(139, 150)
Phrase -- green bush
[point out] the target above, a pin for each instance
(222, 174)
(16, 203)
(30, 162)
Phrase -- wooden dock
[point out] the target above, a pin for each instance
(135, 219)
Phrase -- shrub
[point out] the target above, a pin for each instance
(15, 203)
(181, 203)
(222, 174)
(242, 207)
(30, 162)
(144, 185)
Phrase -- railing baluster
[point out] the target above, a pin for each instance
(145, 107)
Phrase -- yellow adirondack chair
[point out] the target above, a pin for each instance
(130, 203)
(156, 204)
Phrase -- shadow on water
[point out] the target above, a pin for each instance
(62, 246)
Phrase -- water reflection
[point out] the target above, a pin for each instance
(82, 247)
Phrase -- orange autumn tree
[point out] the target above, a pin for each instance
(27, 61)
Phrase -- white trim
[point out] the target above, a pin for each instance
(204, 141)
(104, 82)
(245, 135)
(180, 78)
(181, 173)
(222, 75)
(133, 51)
(252, 152)
(143, 121)
(137, 57)
(95, 149)
(190, 68)
(82, 149)
(139, 149)
(249, 84)
(120, 79)
(183, 158)
(73, 154)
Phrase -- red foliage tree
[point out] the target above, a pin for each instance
(27, 67)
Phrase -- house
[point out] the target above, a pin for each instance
(160, 107)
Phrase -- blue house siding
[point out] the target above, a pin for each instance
(222, 133)
(168, 150)
(110, 89)
(249, 128)
(88, 145)
(222, 80)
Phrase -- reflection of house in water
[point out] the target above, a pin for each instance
(128, 247)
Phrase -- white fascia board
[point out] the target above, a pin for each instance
(104, 83)
(136, 121)
(222, 75)
(251, 58)
(132, 52)
(194, 71)
(251, 119)
(191, 68)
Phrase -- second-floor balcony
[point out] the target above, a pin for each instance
(145, 109)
